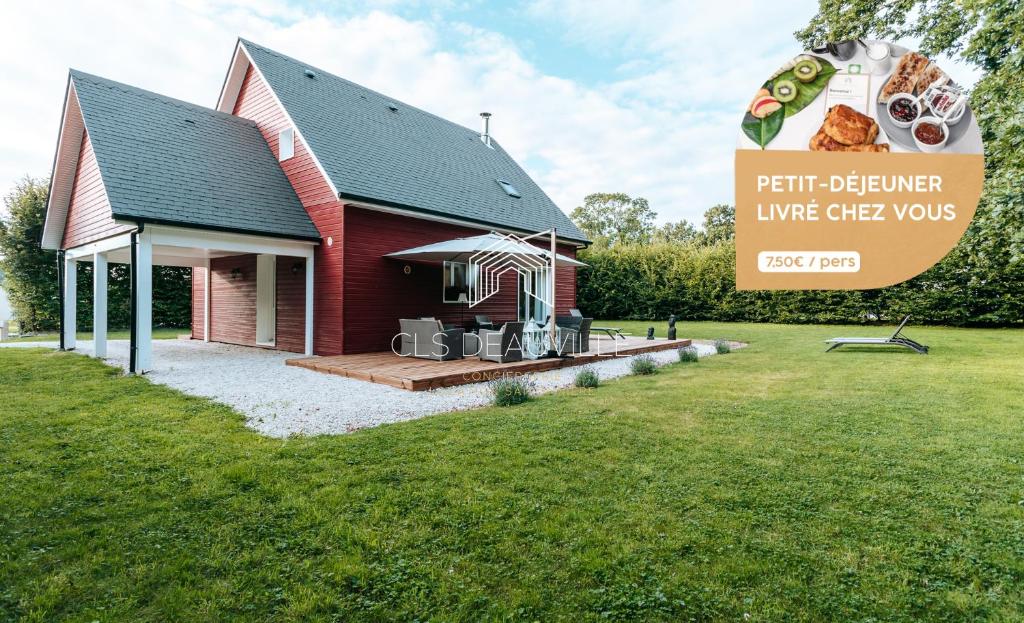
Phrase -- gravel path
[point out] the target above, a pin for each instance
(279, 400)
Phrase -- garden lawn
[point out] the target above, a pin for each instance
(159, 333)
(776, 481)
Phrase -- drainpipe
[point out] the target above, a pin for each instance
(61, 293)
(133, 341)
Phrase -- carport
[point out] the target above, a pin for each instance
(150, 246)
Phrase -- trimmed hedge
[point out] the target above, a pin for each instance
(694, 282)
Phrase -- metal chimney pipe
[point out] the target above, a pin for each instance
(486, 135)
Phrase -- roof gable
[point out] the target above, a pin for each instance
(167, 161)
(377, 149)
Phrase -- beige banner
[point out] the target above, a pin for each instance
(831, 220)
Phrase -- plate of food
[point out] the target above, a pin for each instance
(921, 108)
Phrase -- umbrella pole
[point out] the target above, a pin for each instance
(552, 330)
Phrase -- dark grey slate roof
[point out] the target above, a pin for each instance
(405, 157)
(166, 161)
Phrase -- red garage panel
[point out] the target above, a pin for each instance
(233, 302)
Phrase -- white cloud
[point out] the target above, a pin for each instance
(662, 125)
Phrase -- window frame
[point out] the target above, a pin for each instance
(286, 144)
(468, 282)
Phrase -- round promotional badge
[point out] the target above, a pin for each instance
(858, 165)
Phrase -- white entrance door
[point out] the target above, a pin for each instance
(266, 295)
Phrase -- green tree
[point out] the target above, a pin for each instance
(31, 272)
(719, 224)
(615, 218)
(680, 232)
(988, 34)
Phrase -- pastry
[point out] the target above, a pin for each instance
(849, 127)
(931, 76)
(908, 72)
(823, 142)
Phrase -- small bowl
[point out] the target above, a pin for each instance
(953, 119)
(925, 147)
(903, 96)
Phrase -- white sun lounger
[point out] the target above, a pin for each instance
(896, 339)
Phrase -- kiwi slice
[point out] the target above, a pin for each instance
(805, 71)
(784, 91)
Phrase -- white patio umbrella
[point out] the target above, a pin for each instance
(462, 249)
(494, 249)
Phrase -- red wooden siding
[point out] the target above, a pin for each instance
(89, 216)
(378, 292)
(198, 292)
(291, 304)
(256, 102)
(233, 302)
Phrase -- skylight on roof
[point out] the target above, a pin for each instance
(509, 189)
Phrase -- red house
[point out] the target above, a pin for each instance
(285, 200)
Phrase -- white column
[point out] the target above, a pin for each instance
(144, 312)
(70, 300)
(553, 331)
(99, 305)
(206, 303)
(309, 305)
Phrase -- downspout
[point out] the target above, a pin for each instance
(133, 341)
(61, 293)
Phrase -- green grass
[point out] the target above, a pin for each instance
(777, 481)
(160, 333)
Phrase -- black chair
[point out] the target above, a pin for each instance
(504, 345)
(484, 322)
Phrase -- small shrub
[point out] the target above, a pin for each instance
(723, 347)
(511, 389)
(643, 364)
(587, 377)
(688, 354)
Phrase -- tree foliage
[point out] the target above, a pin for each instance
(31, 274)
(719, 224)
(980, 282)
(615, 218)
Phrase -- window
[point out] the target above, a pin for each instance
(509, 189)
(457, 280)
(285, 144)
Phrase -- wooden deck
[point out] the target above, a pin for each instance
(415, 374)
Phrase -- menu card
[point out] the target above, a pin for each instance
(849, 89)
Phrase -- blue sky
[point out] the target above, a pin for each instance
(590, 96)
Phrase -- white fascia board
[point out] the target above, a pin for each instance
(100, 246)
(233, 80)
(227, 241)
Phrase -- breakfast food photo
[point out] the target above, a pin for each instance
(860, 96)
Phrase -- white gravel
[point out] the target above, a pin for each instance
(279, 400)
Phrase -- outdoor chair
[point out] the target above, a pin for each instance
(504, 345)
(896, 339)
(484, 322)
(573, 334)
(575, 313)
(428, 339)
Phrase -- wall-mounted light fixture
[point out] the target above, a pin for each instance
(407, 269)
(297, 268)
(236, 273)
